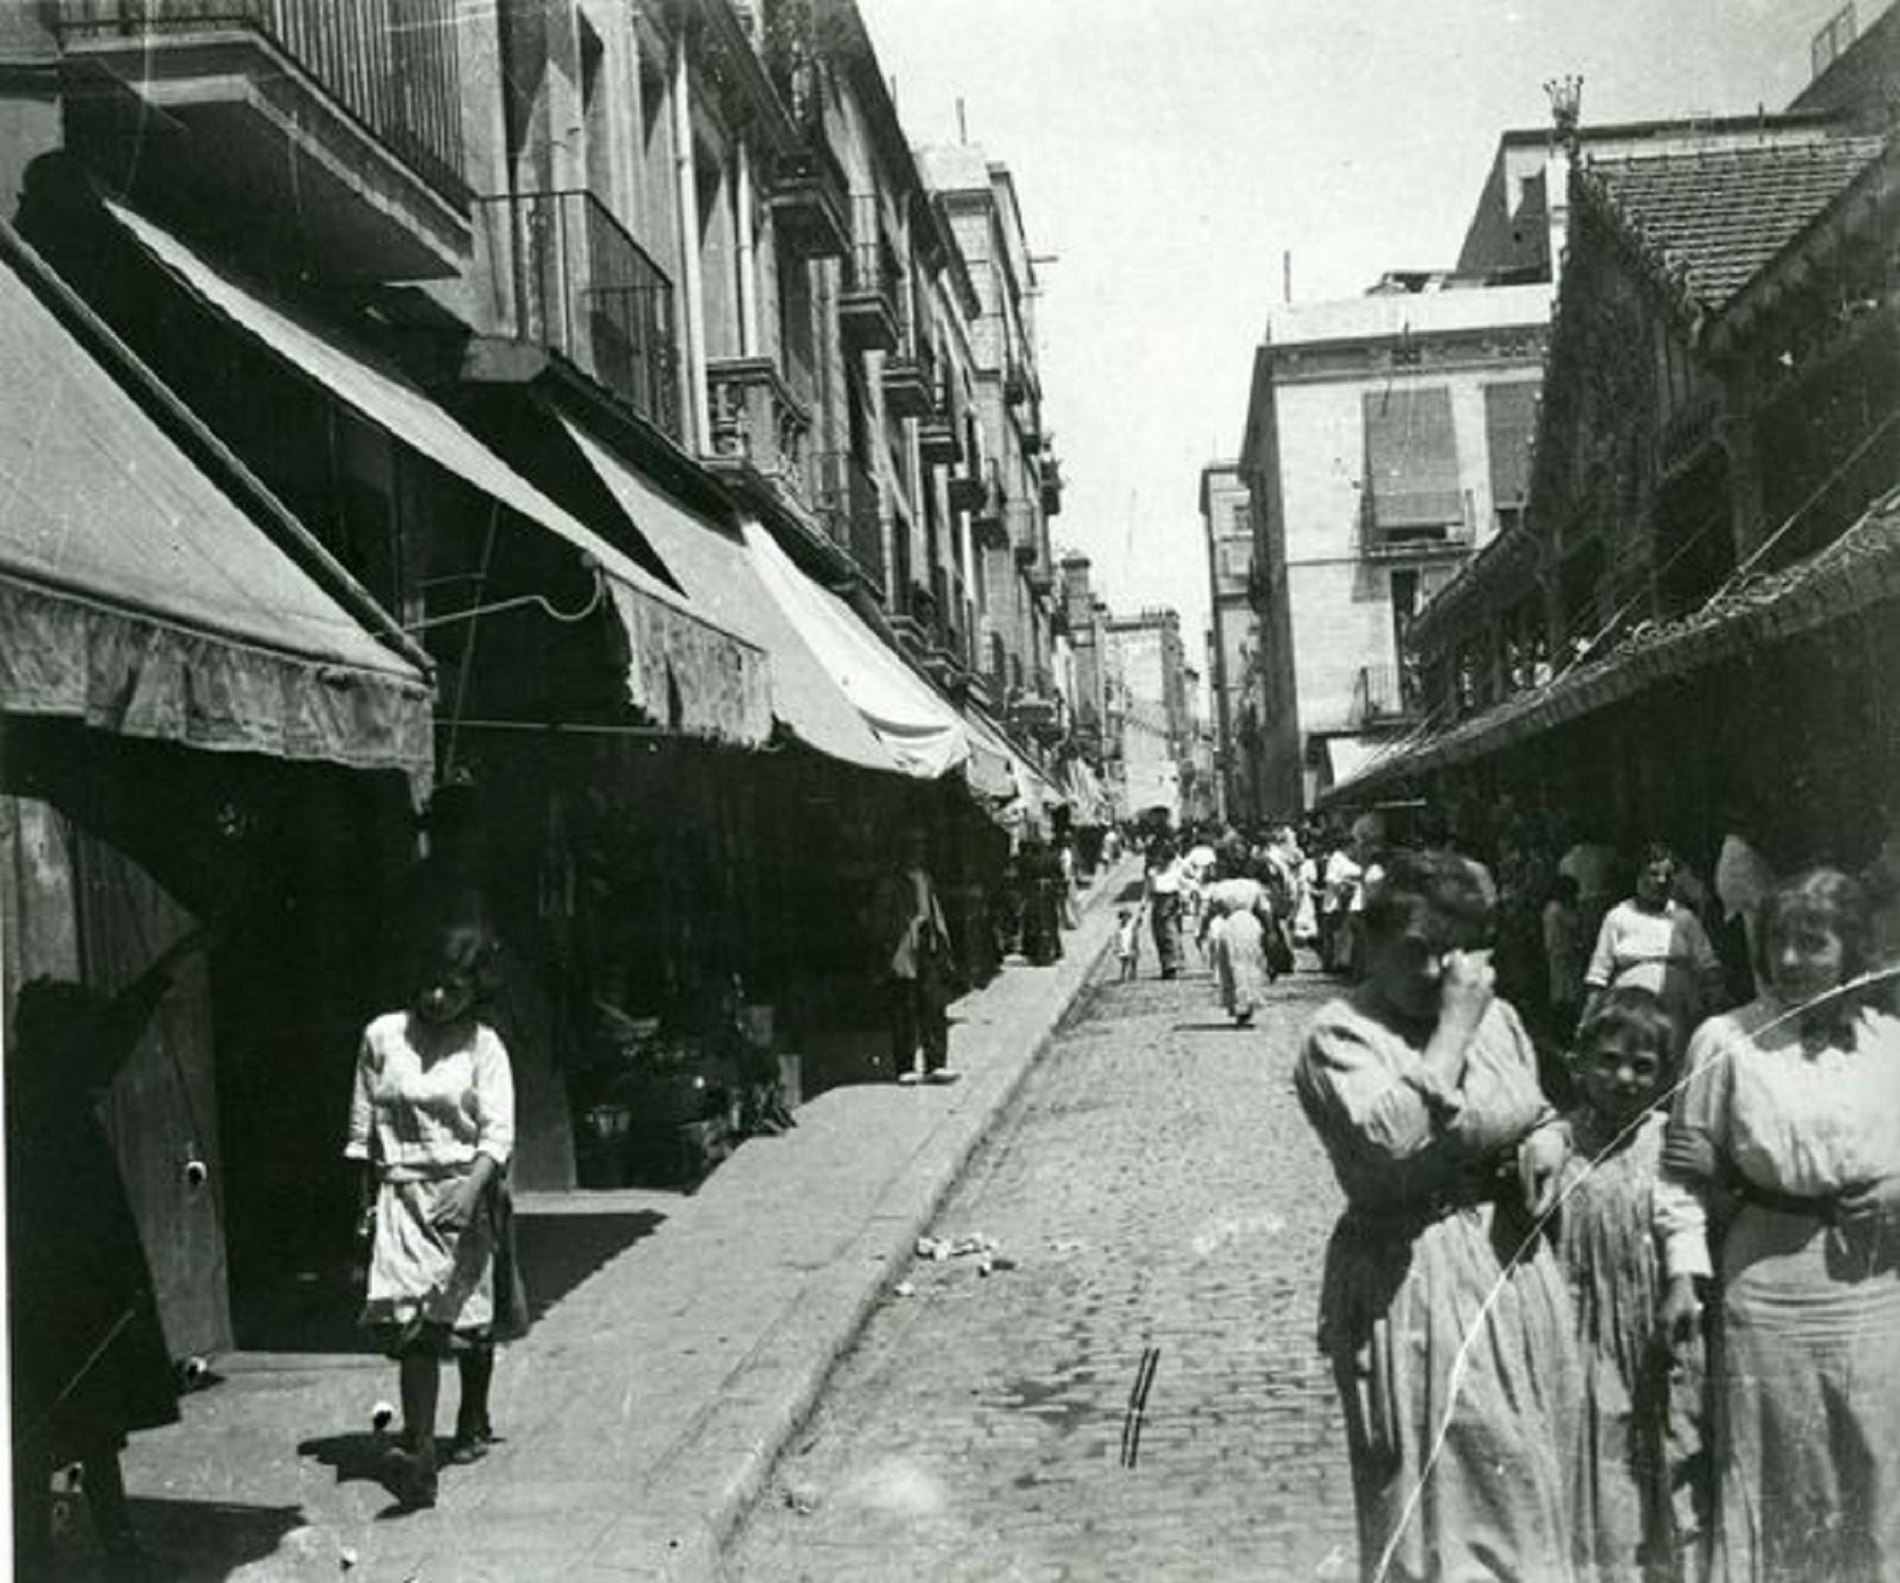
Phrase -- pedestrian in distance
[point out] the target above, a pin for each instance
(1163, 882)
(1128, 942)
(1443, 1311)
(89, 1363)
(1780, 1199)
(1645, 1492)
(912, 946)
(432, 1122)
(1652, 941)
(1234, 922)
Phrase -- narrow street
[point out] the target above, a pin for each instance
(1155, 1187)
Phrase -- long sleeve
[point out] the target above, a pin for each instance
(1692, 1151)
(1602, 966)
(1361, 1104)
(494, 1099)
(356, 1145)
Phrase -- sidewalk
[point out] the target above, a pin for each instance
(647, 1406)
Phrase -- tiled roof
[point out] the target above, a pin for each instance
(1716, 217)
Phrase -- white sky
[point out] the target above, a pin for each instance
(1169, 151)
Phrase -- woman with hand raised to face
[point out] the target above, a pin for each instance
(1443, 1310)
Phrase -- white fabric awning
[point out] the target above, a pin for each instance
(919, 730)
(720, 576)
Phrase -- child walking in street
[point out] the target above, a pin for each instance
(1644, 1462)
(1128, 941)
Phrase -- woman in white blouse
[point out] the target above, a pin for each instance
(432, 1116)
(1781, 1184)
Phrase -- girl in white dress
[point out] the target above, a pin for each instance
(432, 1116)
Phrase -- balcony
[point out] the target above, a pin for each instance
(759, 428)
(1051, 486)
(989, 516)
(331, 135)
(937, 433)
(585, 289)
(868, 305)
(1382, 695)
(968, 485)
(852, 507)
(809, 200)
(910, 376)
(1023, 534)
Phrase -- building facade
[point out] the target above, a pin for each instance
(1233, 678)
(1386, 443)
(1147, 686)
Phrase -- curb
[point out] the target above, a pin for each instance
(724, 1464)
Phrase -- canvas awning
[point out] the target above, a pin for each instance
(138, 596)
(1859, 569)
(675, 653)
(919, 730)
(991, 767)
(717, 570)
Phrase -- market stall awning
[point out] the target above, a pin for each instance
(675, 653)
(139, 597)
(1859, 569)
(717, 570)
(991, 768)
(919, 730)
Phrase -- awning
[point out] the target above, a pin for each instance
(1348, 756)
(718, 573)
(1859, 569)
(990, 769)
(674, 653)
(138, 597)
(918, 729)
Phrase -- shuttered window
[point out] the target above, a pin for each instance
(1412, 460)
(1510, 423)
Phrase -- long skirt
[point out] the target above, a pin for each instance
(1806, 1369)
(1459, 1377)
(1165, 920)
(1240, 962)
(429, 1283)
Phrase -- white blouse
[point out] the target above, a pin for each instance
(426, 1102)
(1805, 1121)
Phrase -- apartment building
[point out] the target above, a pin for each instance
(1227, 525)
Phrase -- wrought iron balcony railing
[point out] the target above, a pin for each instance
(1382, 695)
(392, 64)
(869, 308)
(586, 289)
(852, 506)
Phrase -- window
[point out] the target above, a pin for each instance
(1411, 464)
(1831, 42)
(1242, 519)
(1510, 424)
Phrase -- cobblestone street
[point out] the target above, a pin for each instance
(1156, 1187)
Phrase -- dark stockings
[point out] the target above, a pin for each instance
(421, 1389)
(477, 1366)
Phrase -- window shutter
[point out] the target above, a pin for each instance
(1412, 460)
(1510, 423)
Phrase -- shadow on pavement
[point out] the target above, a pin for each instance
(558, 1251)
(189, 1542)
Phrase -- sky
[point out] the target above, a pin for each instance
(1168, 153)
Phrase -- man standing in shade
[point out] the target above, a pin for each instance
(913, 954)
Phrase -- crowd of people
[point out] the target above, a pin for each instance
(1616, 1294)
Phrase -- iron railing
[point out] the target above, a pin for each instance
(852, 505)
(874, 268)
(391, 64)
(586, 289)
(1382, 693)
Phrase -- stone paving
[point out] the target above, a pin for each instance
(1156, 1187)
(686, 1340)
